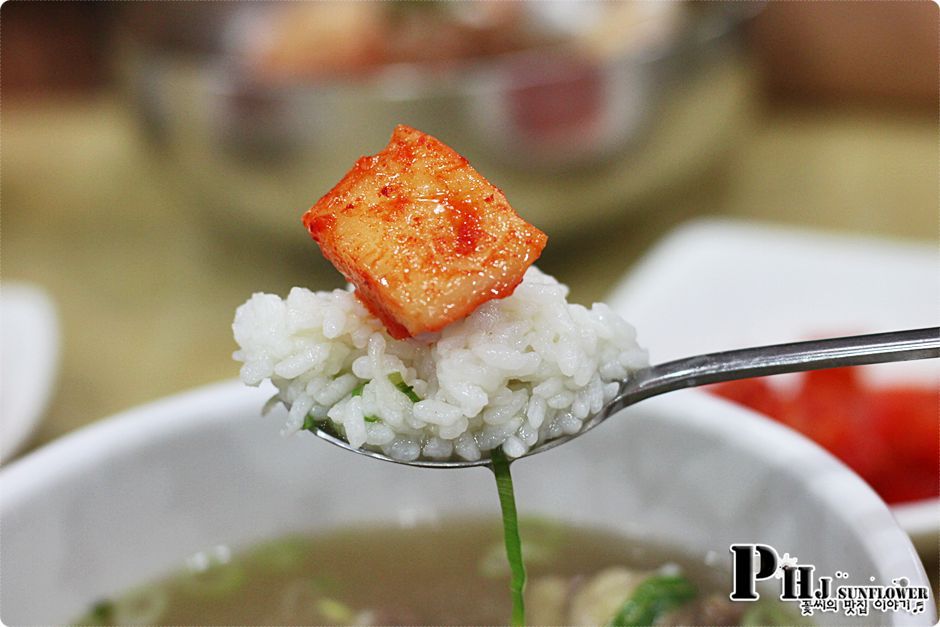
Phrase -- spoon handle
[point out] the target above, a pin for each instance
(745, 363)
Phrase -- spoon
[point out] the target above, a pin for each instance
(743, 363)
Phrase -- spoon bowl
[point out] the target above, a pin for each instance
(745, 363)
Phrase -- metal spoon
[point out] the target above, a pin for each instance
(743, 363)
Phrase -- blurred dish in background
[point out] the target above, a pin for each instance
(343, 40)
(849, 54)
(29, 354)
(716, 285)
(559, 106)
(591, 106)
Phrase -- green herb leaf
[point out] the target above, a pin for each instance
(330, 429)
(313, 425)
(310, 424)
(357, 391)
(409, 392)
(372, 419)
(653, 598)
(406, 389)
(507, 502)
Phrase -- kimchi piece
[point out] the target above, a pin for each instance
(424, 238)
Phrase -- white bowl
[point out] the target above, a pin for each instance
(127, 499)
(715, 285)
(29, 356)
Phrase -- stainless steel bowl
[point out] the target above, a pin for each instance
(571, 138)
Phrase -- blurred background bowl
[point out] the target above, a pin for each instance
(578, 111)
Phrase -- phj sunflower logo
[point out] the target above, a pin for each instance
(800, 583)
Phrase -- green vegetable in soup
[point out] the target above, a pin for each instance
(141, 606)
(388, 575)
(770, 614)
(507, 502)
(102, 613)
(653, 598)
(280, 556)
(218, 580)
(542, 540)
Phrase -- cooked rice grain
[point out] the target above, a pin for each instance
(516, 372)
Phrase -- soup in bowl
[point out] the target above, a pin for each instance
(661, 492)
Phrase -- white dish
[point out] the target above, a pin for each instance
(127, 499)
(29, 347)
(715, 285)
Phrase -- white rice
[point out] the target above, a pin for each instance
(516, 372)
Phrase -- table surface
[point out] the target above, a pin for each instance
(146, 286)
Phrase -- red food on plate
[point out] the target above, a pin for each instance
(422, 235)
(906, 418)
(890, 436)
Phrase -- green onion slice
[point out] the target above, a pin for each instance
(507, 502)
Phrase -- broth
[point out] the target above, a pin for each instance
(454, 573)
